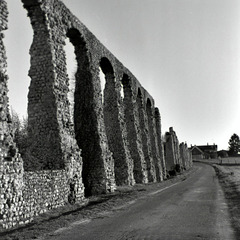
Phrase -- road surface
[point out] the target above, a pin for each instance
(188, 210)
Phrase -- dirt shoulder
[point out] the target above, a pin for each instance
(93, 207)
(229, 179)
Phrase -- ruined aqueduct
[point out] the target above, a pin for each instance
(100, 145)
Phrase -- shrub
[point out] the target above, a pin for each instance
(172, 173)
(178, 168)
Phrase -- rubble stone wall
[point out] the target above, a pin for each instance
(186, 156)
(172, 152)
(100, 128)
(153, 141)
(133, 131)
(175, 153)
(11, 164)
(25, 194)
(89, 151)
(48, 189)
(144, 131)
(116, 128)
(160, 143)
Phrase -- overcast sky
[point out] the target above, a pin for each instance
(186, 53)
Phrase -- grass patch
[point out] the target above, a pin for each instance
(229, 179)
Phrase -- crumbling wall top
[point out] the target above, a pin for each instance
(32, 2)
(3, 16)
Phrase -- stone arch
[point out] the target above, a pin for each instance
(153, 139)
(81, 114)
(133, 131)
(145, 137)
(71, 63)
(107, 67)
(51, 131)
(52, 128)
(106, 76)
(56, 139)
(116, 127)
(97, 162)
(82, 60)
(149, 106)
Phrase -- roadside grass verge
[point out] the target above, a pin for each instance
(229, 179)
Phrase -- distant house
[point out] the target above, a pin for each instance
(204, 151)
(197, 153)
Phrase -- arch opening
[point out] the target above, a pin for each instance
(102, 82)
(106, 76)
(106, 66)
(152, 135)
(121, 91)
(133, 128)
(126, 92)
(107, 79)
(145, 136)
(17, 48)
(71, 65)
(80, 93)
(114, 127)
(149, 106)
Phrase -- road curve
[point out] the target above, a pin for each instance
(189, 210)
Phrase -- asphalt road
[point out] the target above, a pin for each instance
(191, 209)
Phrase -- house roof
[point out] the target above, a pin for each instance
(205, 148)
(196, 148)
(208, 147)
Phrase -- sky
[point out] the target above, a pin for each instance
(185, 53)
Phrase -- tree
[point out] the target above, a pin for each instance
(20, 131)
(23, 143)
(234, 145)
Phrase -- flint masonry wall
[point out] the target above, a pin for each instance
(175, 153)
(116, 128)
(186, 156)
(55, 137)
(103, 143)
(101, 129)
(172, 152)
(26, 194)
(134, 131)
(160, 142)
(11, 165)
(144, 135)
